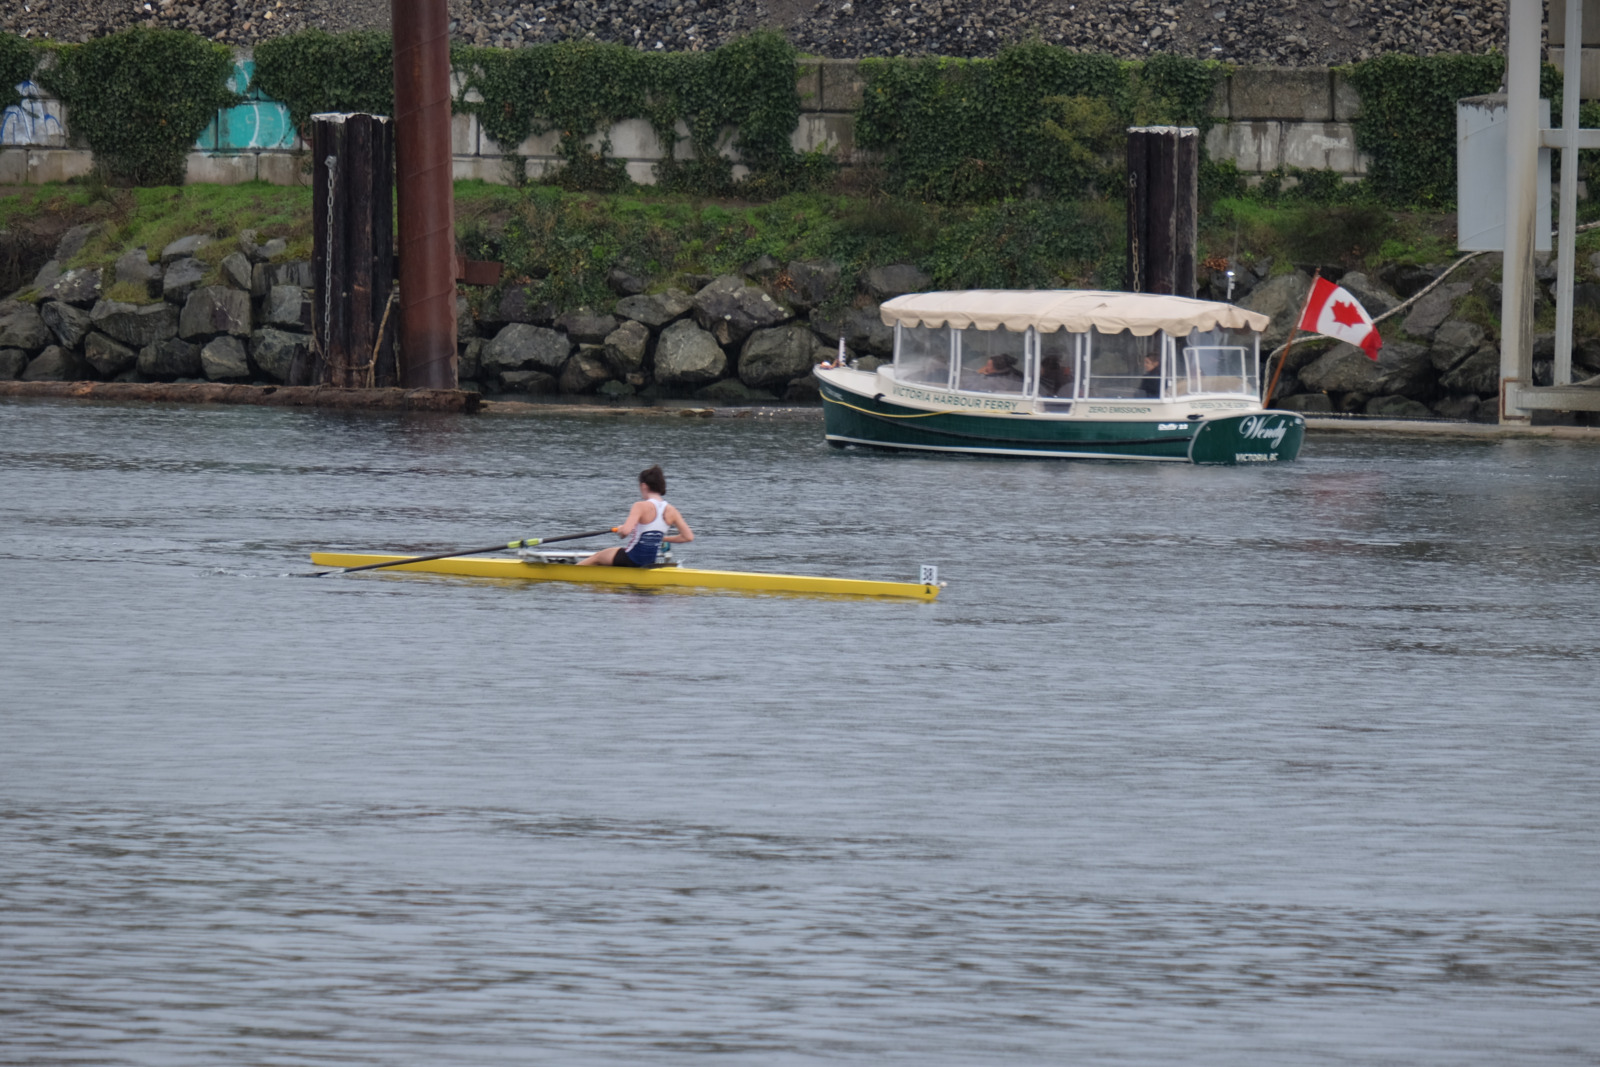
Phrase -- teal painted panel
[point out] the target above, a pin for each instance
(257, 124)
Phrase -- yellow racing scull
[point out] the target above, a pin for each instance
(663, 577)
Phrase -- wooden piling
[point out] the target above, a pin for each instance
(353, 251)
(1163, 208)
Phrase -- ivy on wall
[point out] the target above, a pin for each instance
(317, 71)
(1036, 115)
(17, 60)
(745, 90)
(1408, 121)
(140, 98)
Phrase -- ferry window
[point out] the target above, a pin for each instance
(922, 355)
(1214, 362)
(1057, 360)
(1123, 366)
(992, 361)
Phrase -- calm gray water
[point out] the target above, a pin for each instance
(1213, 766)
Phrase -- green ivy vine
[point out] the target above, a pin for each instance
(140, 98)
(316, 71)
(17, 60)
(744, 91)
(1037, 116)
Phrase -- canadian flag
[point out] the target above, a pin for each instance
(1333, 312)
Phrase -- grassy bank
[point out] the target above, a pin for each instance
(565, 243)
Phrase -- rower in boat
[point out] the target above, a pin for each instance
(648, 525)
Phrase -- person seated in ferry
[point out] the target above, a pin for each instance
(999, 374)
(1055, 376)
(1150, 384)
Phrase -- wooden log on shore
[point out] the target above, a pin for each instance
(279, 396)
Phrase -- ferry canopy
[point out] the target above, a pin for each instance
(1074, 310)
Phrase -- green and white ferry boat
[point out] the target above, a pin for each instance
(1064, 373)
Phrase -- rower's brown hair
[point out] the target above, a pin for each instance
(654, 480)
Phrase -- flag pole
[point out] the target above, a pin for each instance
(1266, 398)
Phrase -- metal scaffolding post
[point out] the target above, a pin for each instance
(426, 196)
(1522, 164)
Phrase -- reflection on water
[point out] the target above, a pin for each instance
(1213, 766)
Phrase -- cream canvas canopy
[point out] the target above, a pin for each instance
(1049, 310)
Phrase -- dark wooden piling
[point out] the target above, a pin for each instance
(1163, 207)
(353, 252)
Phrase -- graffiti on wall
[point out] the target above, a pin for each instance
(34, 123)
(256, 124)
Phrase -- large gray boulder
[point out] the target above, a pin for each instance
(172, 358)
(108, 356)
(69, 324)
(134, 324)
(1479, 373)
(1401, 368)
(625, 348)
(1373, 294)
(1453, 342)
(517, 304)
(237, 270)
(184, 248)
(774, 357)
(1280, 299)
(1457, 407)
(72, 242)
(224, 358)
(897, 279)
(466, 321)
(732, 310)
(534, 382)
(56, 364)
(182, 278)
(469, 364)
(77, 287)
(135, 268)
(732, 390)
(523, 347)
(812, 282)
(260, 253)
(688, 355)
(47, 274)
(275, 352)
(625, 282)
(863, 329)
(655, 310)
(215, 309)
(585, 371)
(13, 361)
(1427, 314)
(289, 305)
(585, 325)
(1304, 402)
(1397, 407)
(27, 331)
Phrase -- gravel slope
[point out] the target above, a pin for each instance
(1242, 31)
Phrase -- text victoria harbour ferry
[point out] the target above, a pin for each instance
(1065, 373)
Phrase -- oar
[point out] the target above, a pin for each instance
(525, 543)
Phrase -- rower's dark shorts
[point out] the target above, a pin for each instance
(622, 559)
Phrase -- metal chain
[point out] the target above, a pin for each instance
(332, 163)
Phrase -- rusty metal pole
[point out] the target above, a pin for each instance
(426, 196)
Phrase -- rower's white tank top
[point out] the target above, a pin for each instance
(657, 524)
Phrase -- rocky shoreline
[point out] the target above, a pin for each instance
(237, 312)
(1238, 31)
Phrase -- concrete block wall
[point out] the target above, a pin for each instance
(1266, 118)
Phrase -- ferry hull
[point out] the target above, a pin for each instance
(1260, 436)
(650, 578)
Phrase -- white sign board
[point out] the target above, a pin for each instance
(1481, 176)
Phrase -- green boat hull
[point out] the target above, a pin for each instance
(1257, 437)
